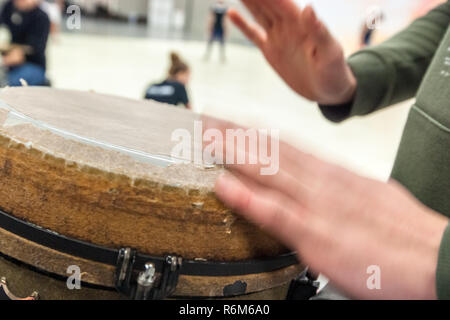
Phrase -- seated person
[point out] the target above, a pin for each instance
(173, 89)
(29, 27)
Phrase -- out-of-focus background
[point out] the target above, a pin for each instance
(123, 45)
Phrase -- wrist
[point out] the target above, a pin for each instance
(343, 90)
(349, 93)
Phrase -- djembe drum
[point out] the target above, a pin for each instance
(87, 185)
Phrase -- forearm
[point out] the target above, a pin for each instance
(15, 57)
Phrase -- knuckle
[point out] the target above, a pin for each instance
(275, 218)
(244, 203)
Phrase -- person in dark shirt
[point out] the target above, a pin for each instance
(173, 89)
(217, 27)
(29, 27)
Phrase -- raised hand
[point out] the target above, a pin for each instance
(300, 48)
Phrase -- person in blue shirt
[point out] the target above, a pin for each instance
(217, 27)
(29, 27)
(172, 90)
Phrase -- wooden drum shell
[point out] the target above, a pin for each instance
(104, 197)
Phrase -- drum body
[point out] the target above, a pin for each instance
(97, 169)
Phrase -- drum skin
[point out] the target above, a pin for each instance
(67, 164)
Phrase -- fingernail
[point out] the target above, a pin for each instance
(225, 186)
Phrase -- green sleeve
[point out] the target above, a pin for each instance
(443, 268)
(392, 71)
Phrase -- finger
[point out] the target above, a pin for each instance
(266, 8)
(282, 9)
(296, 180)
(251, 31)
(227, 128)
(297, 174)
(289, 158)
(279, 10)
(317, 241)
(313, 25)
(260, 15)
(272, 211)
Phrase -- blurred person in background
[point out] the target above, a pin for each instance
(217, 28)
(29, 27)
(372, 239)
(373, 21)
(172, 90)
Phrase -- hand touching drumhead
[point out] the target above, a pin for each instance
(300, 48)
(341, 224)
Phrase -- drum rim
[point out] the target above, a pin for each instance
(109, 256)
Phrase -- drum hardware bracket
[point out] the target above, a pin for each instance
(124, 271)
(5, 293)
(146, 285)
(145, 282)
(304, 287)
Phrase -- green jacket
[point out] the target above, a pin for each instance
(415, 62)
